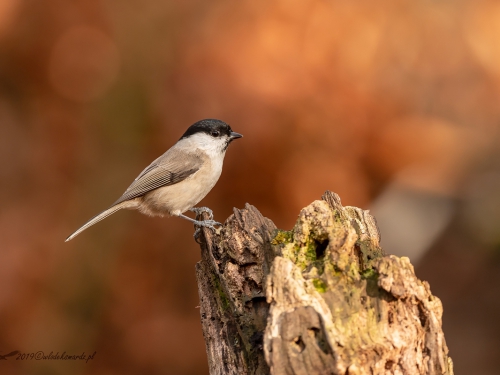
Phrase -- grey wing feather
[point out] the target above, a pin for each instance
(170, 168)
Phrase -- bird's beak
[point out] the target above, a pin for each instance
(234, 136)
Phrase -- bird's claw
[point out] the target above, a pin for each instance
(205, 223)
(197, 234)
(199, 210)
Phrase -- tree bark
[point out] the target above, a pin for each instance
(322, 298)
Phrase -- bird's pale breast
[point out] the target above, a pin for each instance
(180, 197)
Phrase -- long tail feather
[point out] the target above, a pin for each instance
(101, 216)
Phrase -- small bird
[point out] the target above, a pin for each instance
(180, 178)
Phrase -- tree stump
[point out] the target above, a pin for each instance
(322, 298)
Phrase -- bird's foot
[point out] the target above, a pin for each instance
(199, 210)
(205, 223)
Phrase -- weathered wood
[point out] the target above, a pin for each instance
(231, 284)
(322, 298)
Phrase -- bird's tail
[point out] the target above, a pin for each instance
(101, 216)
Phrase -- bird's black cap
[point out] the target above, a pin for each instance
(208, 126)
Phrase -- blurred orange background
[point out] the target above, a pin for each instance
(394, 105)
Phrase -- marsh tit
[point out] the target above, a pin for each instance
(180, 178)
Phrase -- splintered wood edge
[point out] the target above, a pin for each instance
(288, 293)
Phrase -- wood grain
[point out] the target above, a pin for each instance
(322, 298)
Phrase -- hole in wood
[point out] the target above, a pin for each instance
(320, 339)
(256, 340)
(321, 247)
(422, 315)
(298, 345)
(359, 254)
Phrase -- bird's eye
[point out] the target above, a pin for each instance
(215, 133)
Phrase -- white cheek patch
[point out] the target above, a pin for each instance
(211, 145)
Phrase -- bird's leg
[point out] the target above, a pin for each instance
(199, 210)
(202, 223)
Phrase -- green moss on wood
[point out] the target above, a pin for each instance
(282, 237)
(320, 285)
(222, 296)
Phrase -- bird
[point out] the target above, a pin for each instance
(180, 178)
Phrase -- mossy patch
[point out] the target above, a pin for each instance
(223, 298)
(310, 254)
(282, 237)
(369, 274)
(320, 285)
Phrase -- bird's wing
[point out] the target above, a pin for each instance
(169, 169)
